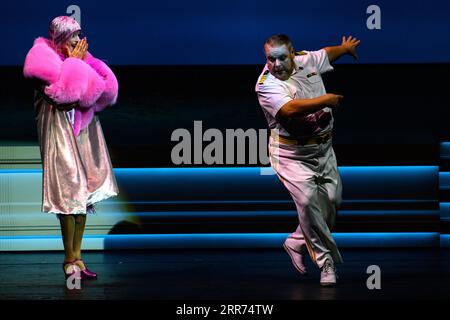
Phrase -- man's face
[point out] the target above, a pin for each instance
(280, 60)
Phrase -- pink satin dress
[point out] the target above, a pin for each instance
(77, 171)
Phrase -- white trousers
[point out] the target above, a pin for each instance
(311, 176)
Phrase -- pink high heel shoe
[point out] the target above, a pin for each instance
(86, 273)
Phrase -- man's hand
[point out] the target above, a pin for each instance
(303, 107)
(350, 45)
(79, 51)
(332, 100)
(294, 112)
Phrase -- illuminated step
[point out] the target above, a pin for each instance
(393, 183)
(20, 157)
(231, 240)
(445, 150)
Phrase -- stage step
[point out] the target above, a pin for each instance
(168, 202)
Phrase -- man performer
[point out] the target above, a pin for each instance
(299, 113)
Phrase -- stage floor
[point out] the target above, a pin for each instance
(225, 274)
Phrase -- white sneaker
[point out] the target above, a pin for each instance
(328, 274)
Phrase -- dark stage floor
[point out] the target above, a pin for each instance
(224, 275)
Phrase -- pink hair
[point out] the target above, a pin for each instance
(61, 29)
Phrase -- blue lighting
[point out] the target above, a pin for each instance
(444, 180)
(247, 184)
(388, 239)
(386, 213)
(445, 150)
(445, 211)
(222, 240)
(246, 170)
(175, 25)
(243, 186)
(282, 213)
(445, 240)
(10, 171)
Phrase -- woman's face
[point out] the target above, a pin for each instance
(73, 40)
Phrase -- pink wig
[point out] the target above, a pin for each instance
(61, 29)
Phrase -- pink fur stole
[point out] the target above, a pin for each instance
(90, 82)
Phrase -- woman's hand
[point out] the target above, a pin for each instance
(79, 51)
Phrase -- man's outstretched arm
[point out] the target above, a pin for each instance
(348, 46)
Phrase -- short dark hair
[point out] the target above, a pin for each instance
(279, 40)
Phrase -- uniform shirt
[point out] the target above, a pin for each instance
(304, 83)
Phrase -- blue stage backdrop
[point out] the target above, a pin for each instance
(232, 32)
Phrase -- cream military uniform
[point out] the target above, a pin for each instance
(305, 165)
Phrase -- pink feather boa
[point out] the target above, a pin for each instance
(90, 82)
